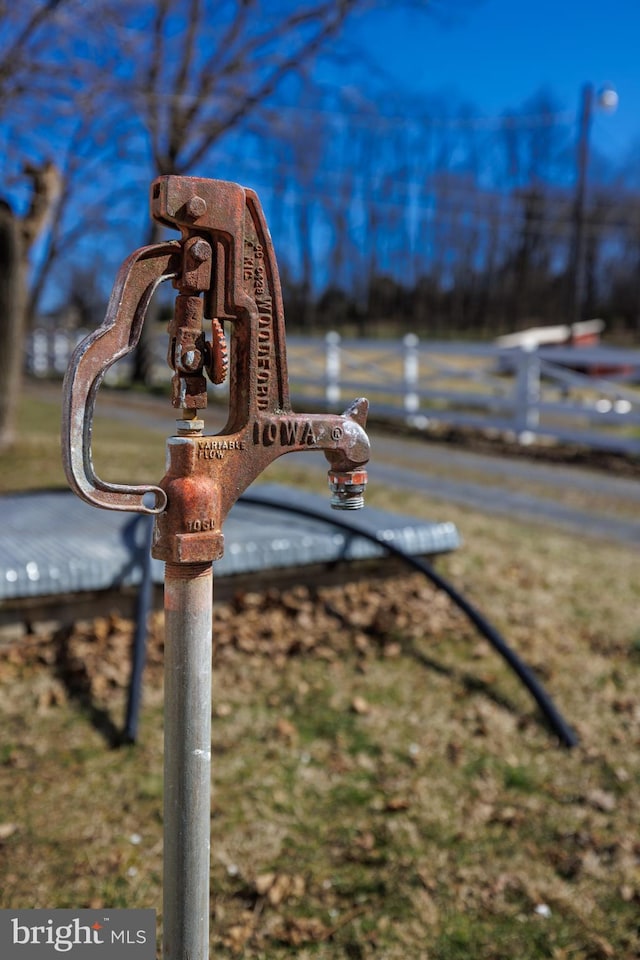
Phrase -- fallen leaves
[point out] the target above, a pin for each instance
(92, 659)
(273, 891)
(286, 730)
(360, 705)
(601, 800)
(294, 931)
(397, 803)
(279, 887)
(325, 622)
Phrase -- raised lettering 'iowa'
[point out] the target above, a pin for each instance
(291, 432)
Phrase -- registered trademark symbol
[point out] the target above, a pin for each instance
(336, 433)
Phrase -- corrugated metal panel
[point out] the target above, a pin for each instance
(53, 543)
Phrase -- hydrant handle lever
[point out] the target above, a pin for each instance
(117, 336)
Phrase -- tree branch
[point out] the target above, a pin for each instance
(251, 100)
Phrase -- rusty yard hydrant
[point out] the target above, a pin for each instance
(224, 269)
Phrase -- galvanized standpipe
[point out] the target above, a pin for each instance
(224, 269)
(188, 590)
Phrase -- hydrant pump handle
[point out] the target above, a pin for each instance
(118, 335)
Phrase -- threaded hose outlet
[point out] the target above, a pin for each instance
(347, 489)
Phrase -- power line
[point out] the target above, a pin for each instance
(494, 206)
(375, 118)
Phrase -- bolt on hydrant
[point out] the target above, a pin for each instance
(224, 270)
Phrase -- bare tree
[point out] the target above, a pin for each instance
(12, 311)
(24, 59)
(17, 236)
(51, 52)
(91, 203)
(204, 69)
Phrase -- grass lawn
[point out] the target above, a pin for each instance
(383, 786)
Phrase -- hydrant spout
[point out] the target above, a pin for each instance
(347, 476)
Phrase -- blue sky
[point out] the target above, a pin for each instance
(496, 54)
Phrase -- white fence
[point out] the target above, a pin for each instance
(588, 396)
(48, 353)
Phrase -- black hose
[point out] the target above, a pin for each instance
(139, 646)
(559, 725)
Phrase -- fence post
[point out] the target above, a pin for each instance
(36, 359)
(60, 351)
(411, 374)
(527, 393)
(332, 367)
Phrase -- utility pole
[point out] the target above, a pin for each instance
(607, 99)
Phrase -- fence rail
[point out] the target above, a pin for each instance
(581, 395)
